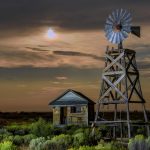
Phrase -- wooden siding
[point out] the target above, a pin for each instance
(56, 115)
(80, 118)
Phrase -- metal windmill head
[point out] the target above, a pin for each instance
(118, 26)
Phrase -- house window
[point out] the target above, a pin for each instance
(75, 109)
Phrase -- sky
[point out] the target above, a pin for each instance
(36, 68)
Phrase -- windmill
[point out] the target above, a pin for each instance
(120, 77)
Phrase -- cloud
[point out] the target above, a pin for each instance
(20, 58)
(73, 53)
(21, 18)
(37, 49)
(34, 58)
(61, 78)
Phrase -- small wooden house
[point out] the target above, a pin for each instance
(72, 107)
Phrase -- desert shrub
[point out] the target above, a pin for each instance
(70, 129)
(83, 148)
(8, 138)
(148, 142)
(79, 130)
(4, 134)
(84, 136)
(17, 129)
(7, 145)
(27, 138)
(117, 146)
(37, 144)
(41, 128)
(61, 141)
(51, 145)
(141, 130)
(138, 143)
(103, 146)
(78, 139)
(3, 131)
(86, 148)
(97, 133)
(18, 140)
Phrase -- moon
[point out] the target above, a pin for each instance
(51, 34)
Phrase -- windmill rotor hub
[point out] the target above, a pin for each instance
(118, 27)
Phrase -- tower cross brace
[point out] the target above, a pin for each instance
(120, 84)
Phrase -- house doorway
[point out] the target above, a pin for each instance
(63, 115)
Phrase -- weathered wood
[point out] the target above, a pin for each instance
(120, 76)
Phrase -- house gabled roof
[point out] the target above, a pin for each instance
(71, 97)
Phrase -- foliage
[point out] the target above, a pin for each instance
(86, 148)
(4, 134)
(18, 140)
(70, 129)
(83, 148)
(17, 129)
(78, 139)
(50, 145)
(117, 146)
(148, 142)
(27, 138)
(61, 141)
(103, 146)
(7, 145)
(37, 144)
(138, 143)
(41, 128)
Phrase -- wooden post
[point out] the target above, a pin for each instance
(128, 121)
(120, 76)
(115, 118)
(146, 120)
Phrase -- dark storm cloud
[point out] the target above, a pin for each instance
(16, 55)
(37, 49)
(24, 16)
(72, 53)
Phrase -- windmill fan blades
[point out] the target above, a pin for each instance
(118, 25)
(136, 31)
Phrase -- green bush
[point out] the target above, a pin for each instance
(7, 145)
(70, 129)
(18, 140)
(27, 138)
(4, 134)
(117, 146)
(105, 146)
(50, 145)
(41, 128)
(8, 138)
(61, 141)
(138, 143)
(17, 129)
(87, 148)
(148, 142)
(37, 144)
(78, 139)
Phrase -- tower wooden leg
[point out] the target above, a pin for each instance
(115, 118)
(128, 121)
(146, 120)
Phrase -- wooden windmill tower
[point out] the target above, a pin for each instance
(120, 77)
